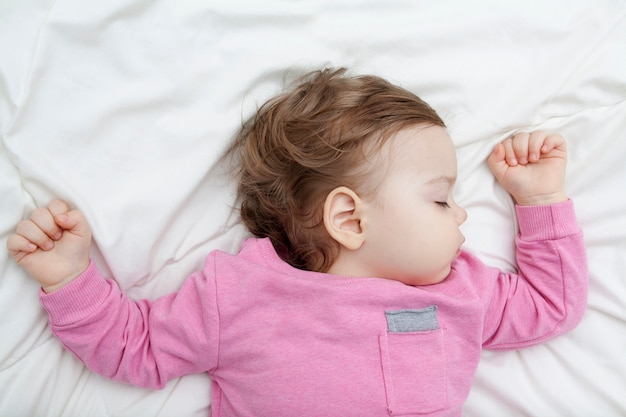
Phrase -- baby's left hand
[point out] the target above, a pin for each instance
(531, 167)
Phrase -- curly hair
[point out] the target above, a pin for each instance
(307, 141)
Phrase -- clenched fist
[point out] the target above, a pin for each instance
(531, 167)
(52, 245)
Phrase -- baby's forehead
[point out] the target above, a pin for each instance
(426, 156)
(429, 145)
(420, 152)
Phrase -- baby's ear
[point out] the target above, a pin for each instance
(342, 217)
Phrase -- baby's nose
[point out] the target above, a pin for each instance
(461, 215)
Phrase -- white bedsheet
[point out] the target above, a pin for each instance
(122, 107)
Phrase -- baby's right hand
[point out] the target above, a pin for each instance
(52, 245)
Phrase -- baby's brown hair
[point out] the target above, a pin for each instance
(307, 141)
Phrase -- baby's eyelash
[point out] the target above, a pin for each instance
(443, 204)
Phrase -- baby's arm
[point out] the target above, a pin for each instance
(531, 167)
(547, 296)
(52, 245)
(144, 343)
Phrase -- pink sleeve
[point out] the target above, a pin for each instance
(548, 296)
(144, 343)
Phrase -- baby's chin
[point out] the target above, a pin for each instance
(434, 279)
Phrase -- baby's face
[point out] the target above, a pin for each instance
(412, 223)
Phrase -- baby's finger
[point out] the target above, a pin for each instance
(44, 219)
(17, 243)
(520, 147)
(509, 153)
(536, 142)
(74, 222)
(555, 141)
(33, 233)
(497, 154)
(57, 207)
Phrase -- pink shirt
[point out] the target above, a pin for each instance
(278, 341)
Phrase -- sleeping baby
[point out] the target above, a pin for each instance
(355, 296)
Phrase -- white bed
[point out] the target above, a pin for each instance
(122, 108)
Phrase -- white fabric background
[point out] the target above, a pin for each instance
(123, 107)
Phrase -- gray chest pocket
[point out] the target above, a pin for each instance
(413, 359)
(407, 321)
